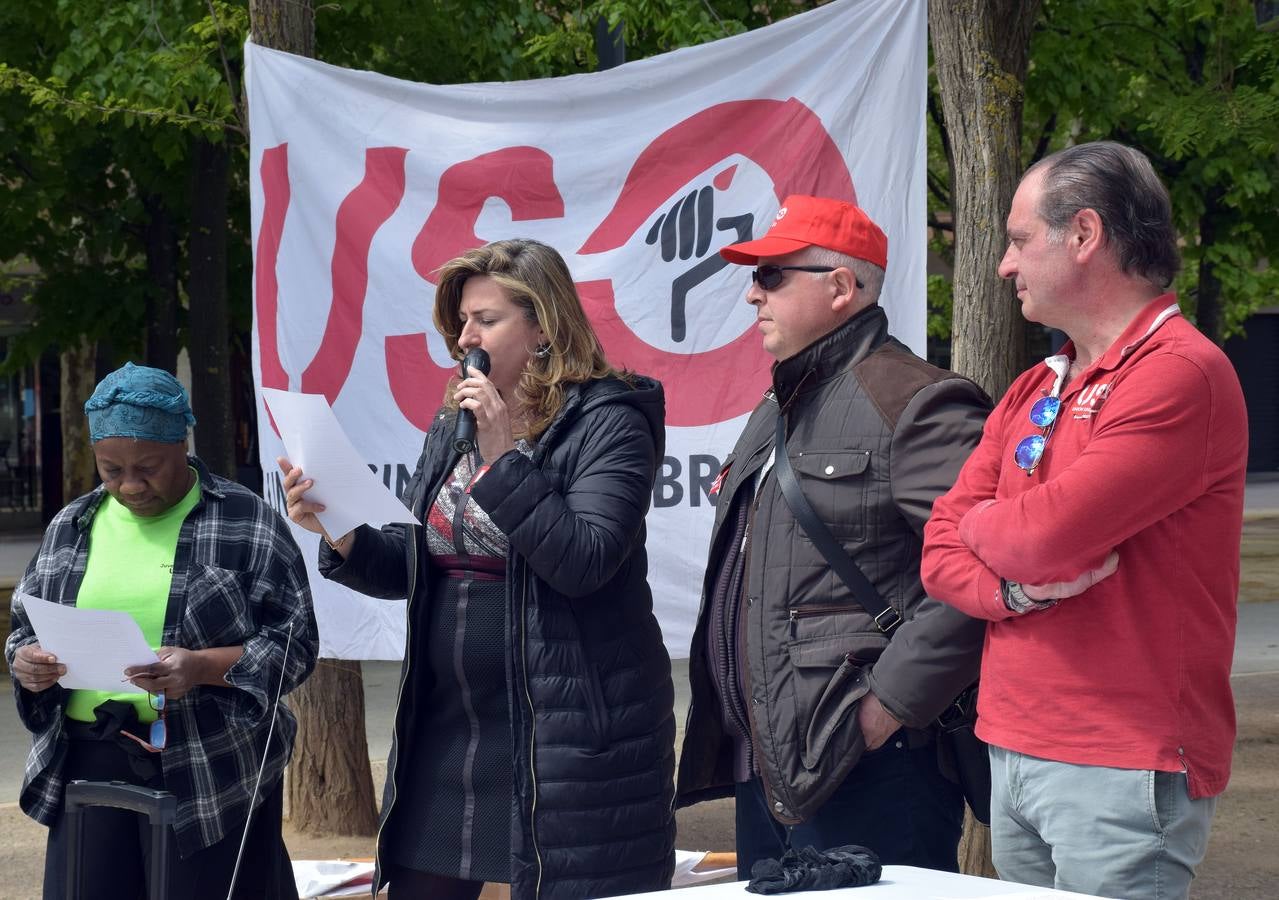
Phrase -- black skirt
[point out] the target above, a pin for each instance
(452, 812)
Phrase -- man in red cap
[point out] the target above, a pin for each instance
(818, 665)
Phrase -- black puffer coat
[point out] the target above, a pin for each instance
(589, 680)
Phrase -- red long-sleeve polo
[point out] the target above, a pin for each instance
(1147, 458)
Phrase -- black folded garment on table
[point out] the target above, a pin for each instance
(811, 869)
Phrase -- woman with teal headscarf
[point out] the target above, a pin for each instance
(215, 582)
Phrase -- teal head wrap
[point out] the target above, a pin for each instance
(139, 402)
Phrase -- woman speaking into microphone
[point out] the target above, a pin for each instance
(534, 730)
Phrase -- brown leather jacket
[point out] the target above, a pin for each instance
(874, 435)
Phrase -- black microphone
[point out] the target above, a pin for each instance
(464, 431)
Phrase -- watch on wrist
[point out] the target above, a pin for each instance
(1014, 597)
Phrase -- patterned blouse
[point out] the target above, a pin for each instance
(459, 534)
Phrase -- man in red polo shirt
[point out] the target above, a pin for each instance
(1097, 528)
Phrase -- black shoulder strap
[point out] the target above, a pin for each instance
(886, 618)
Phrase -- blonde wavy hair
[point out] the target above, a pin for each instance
(538, 281)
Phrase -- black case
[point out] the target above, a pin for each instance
(160, 807)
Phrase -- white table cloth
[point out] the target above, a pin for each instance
(897, 883)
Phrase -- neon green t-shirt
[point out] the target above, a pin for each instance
(130, 567)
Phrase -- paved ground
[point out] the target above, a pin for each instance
(16, 551)
(1262, 497)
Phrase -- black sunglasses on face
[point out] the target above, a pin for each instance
(769, 277)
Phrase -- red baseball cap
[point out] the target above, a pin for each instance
(815, 222)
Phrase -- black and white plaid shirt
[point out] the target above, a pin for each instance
(238, 578)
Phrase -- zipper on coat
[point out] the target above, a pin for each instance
(757, 745)
(532, 740)
(823, 609)
(411, 539)
(736, 641)
(769, 793)
(464, 685)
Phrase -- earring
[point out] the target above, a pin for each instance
(542, 351)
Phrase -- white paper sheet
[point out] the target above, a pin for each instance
(314, 441)
(687, 872)
(332, 877)
(96, 645)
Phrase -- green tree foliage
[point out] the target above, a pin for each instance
(101, 101)
(48, 166)
(941, 231)
(1195, 85)
(124, 151)
(439, 42)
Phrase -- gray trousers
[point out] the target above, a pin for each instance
(1121, 833)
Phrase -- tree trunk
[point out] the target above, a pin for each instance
(330, 783)
(162, 296)
(287, 25)
(974, 848)
(210, 340)
(77, 380)
(980, 49)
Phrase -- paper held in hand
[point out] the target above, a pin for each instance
(315, 443)
(96, 645)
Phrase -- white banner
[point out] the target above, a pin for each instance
(362, 186)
